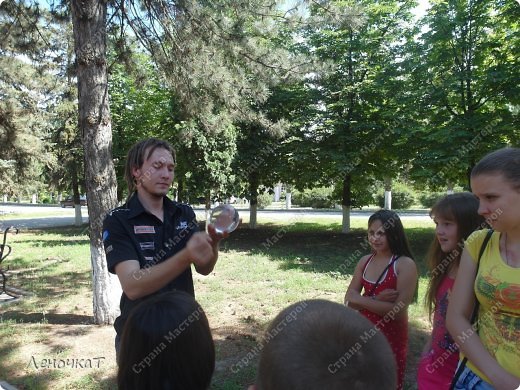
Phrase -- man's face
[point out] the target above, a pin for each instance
(156, 174)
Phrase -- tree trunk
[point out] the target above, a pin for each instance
(78, 219)
(388, 193)
(207, 206)
(288, 196)
(253, 199)
(346, 203)
(180, 188)
(89, 23)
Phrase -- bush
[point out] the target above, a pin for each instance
(402, 197)
(265, 199)
(44, 198)
(317, 198)
(428, 199)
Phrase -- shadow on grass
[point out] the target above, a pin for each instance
(49, 318)
(237, 354)
(417, 337)
(38, 283)
(37, 378)
(313, 248)
(307, 246)
(66, 231)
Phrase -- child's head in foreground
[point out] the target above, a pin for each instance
(318, 344)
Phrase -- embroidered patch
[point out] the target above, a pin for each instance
(109, 249)
(182, 225)
(144, 229)
(147, 245)
(105, 235)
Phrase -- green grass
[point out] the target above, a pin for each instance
(259, 272)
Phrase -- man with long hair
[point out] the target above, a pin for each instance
(151, 241)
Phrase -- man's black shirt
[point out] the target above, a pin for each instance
(132, 233)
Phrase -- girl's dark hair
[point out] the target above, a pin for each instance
(394, 231)
(137, 155)
(166, 344)
(505, 161)
(461, 208)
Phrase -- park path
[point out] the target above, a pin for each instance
(54, 216)
(38, 216)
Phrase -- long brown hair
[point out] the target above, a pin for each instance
(460, 208)
(138, 154)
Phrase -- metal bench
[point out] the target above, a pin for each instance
(5, 250)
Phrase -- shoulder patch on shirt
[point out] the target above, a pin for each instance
(182, 225)
(142, 229)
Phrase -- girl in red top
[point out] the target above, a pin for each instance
(388, 279)
(456, 217)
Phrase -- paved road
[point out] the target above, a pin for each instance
(49, 216)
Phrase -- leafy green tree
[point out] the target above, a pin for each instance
(254, 165)
(465, 72)
(357, 128)
(141, 107)
(205, 161)
(214, 56)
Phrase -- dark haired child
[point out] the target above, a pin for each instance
(388, 279)
(166, 344)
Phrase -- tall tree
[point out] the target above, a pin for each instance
(89, 21)
(26, 90)
(356, 128)
(141, 106)
(466, 86)
(68, 174)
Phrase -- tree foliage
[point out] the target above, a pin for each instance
(28, 46)
(359, 115)
(214, 56)
(466, 86)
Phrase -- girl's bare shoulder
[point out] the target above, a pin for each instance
(406, 262)
(363, 260)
